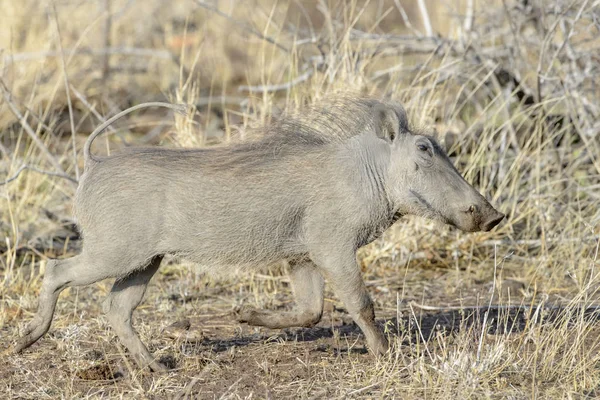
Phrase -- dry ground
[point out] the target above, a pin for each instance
(507, 86)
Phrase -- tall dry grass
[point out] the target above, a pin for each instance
(508, 86)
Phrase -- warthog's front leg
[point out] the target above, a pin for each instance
(307, 285)
(344, 274)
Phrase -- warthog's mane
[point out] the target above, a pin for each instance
(294, 134)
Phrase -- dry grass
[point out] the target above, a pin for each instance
(512, 94)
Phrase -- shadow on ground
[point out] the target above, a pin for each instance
(422, 326)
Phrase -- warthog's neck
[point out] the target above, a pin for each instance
(376, 227)
(380, 219)
(370, 157)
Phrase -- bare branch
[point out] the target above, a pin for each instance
(41, 171)
(93, 110)
(567, 36)
(38, 142)
(546, 41)
(405, 18)
(123, 51)
(357, 34)
(245, 27)
(278, 87)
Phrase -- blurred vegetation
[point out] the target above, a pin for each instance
(509, 87)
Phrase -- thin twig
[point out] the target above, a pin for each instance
(513, 29)
(106, 37)
(469, 16)
(241, 24)
(567, 36)
(96, 114)
(487, 312)
(278, 87)
(90, 107)
(211, 100)
(405, 18)
(66, 81)
(547, 39)
(357, 34)
(41, 171)
(362, 389)
(425, 17)
(396, 68)
(234, 384)
(412, 310)
(38, 142)
(185, 393)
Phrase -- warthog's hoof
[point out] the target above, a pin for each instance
(158, 367)
(24, 342)
(244, 314)
(18, 347)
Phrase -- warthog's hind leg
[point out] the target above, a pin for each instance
(60, 274)
(307, 285)
(125, 295)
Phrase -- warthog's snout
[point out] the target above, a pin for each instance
(479, 217)
(492, 221)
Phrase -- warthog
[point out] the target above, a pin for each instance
(312, 189)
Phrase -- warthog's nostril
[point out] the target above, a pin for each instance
(492, 222)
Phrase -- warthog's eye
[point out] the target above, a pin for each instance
(424, 156)
(423, 147)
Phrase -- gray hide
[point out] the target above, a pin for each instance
(313, 189)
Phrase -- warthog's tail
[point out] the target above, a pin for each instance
(87, 155)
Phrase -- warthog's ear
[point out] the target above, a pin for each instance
(390, 121)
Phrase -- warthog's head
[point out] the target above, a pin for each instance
(422, 181)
